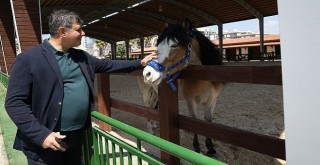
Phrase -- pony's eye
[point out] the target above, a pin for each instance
(174, 45)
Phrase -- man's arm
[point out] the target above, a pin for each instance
(107, 65)
(18, 102)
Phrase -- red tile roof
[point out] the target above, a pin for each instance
(274, 38)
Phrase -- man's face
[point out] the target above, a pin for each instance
(74, 35)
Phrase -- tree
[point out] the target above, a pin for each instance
(121, 51)
(147, 41)
(134, 43)
(101, 45)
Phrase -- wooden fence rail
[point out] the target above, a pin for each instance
(170, 120)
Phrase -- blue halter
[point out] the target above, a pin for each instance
(159, 67)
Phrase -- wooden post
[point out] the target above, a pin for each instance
(142, 47)
(127, 49)
(114, 51)
(103, 99)
(169, 119)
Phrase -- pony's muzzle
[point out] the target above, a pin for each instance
(150, 75)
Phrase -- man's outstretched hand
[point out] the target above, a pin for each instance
(149, 57)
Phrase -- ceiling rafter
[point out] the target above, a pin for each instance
(149, 14)
(107, 34)
(249, 7)
(114, 9)
(196, 11)
(101, 29)
(136, 25)
(99, 37)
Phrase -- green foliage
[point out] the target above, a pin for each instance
(9, 129)
(121, 51)
(147, 41)
(133, 42)
(101, 45)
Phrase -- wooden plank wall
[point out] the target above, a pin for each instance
(27, 17)
(7, 36)
(28, 22)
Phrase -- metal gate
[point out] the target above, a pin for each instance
(107, 149)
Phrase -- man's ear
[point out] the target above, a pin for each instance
(62, 31)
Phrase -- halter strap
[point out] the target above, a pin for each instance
(159, 67)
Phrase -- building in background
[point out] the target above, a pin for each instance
(240, 49)
(248, 49)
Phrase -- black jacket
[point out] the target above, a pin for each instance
(35, 92)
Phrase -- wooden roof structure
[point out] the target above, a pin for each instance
(114, 20)
(23, 21)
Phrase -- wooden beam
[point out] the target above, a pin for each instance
(268, 75)
(103, 99)
(139, 110)
(196, 11)
(169, 125)
(264, 144)
(250, 8)
(239, 74)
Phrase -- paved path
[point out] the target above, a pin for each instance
(3, 154)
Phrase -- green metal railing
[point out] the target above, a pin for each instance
(4, 79)
(107, 149)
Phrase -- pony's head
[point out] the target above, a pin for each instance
(179, 45)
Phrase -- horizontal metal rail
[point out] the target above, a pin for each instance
(171, 148)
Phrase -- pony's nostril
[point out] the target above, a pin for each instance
(148, 74)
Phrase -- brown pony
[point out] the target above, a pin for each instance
(180, 45)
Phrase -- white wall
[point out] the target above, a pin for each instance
(300, 51)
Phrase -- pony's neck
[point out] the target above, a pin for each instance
(195, 54)
(194, 59)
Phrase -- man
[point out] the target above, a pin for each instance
(50, 92)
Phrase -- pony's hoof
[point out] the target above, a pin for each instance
(211, 153)
(198, 151)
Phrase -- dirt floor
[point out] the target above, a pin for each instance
(256, 108)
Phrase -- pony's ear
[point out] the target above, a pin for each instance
(186, 24)
(166, 24)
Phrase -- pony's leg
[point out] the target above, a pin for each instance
(191, 105)
(150, 99)
(196, 144)
(153, 104)
(208, 109)
(151, 123)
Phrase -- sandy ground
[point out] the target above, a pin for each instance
(256, 108)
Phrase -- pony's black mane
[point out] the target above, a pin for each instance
(209, 55)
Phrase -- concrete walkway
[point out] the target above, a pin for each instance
(3, 153)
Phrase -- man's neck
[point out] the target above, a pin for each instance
(56, 43)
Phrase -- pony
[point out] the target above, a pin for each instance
(179, 46)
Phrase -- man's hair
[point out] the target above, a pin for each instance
(62, 18)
